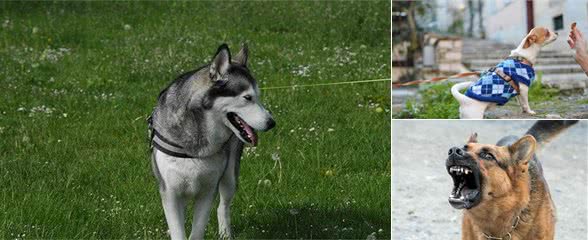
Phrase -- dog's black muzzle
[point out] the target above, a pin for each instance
(459, 157)
(466, 177)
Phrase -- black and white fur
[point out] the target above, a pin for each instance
(210, 112)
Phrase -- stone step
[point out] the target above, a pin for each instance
(559, 68)
(546, 69)
(566, 81)
(540, 61)
(502, 55)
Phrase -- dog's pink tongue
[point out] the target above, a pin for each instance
(251, 133)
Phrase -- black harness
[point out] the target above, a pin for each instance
(163, 144)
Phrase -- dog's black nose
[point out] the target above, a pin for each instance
(456, 151)
(270, 123)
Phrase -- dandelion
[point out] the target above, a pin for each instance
(294, 211)
(7, 24)
(301, 70)
(275, 156)
(127, 27)
(267, 182)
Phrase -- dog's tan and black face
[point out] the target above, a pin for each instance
(540, 36)
(531, 45)
(484, 174)
(498, 184)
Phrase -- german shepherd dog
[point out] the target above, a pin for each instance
(501, 187)
(198, 129)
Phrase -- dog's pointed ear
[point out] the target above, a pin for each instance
(530, 40)
(243, 55)
(523, 149)
(473, 138)
(220, 63)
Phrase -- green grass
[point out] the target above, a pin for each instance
(584, 101)
(78, 79)
(438, 103)
(539, 93)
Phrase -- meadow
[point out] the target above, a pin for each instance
(77, 81)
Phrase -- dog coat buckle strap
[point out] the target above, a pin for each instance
(506, 78)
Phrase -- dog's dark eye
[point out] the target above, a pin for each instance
(487, 156)
(248, 97)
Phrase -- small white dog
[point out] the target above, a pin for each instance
(511, 77)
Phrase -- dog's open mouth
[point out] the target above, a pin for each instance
(246, 132)
(466, 186)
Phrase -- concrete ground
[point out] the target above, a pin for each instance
(421, 185)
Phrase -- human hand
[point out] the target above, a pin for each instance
(576, 41)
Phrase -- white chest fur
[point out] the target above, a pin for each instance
(190, 176)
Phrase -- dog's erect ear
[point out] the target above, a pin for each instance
(530, 40)
(473, 138)
(241, 57)
(220, 63)
(523, 149)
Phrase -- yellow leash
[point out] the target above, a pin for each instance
(328, 84)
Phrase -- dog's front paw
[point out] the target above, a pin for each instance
(530, 112)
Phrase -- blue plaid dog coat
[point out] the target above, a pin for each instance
(492, 88)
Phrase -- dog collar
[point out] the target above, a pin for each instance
(508, 235)
(521, 59)
(165, 145)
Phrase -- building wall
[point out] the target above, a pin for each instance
(506, 20)
(574, 11)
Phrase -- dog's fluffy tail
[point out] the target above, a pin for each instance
(455, 91)
(546, 130)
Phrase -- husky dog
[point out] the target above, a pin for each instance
(198, 128)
